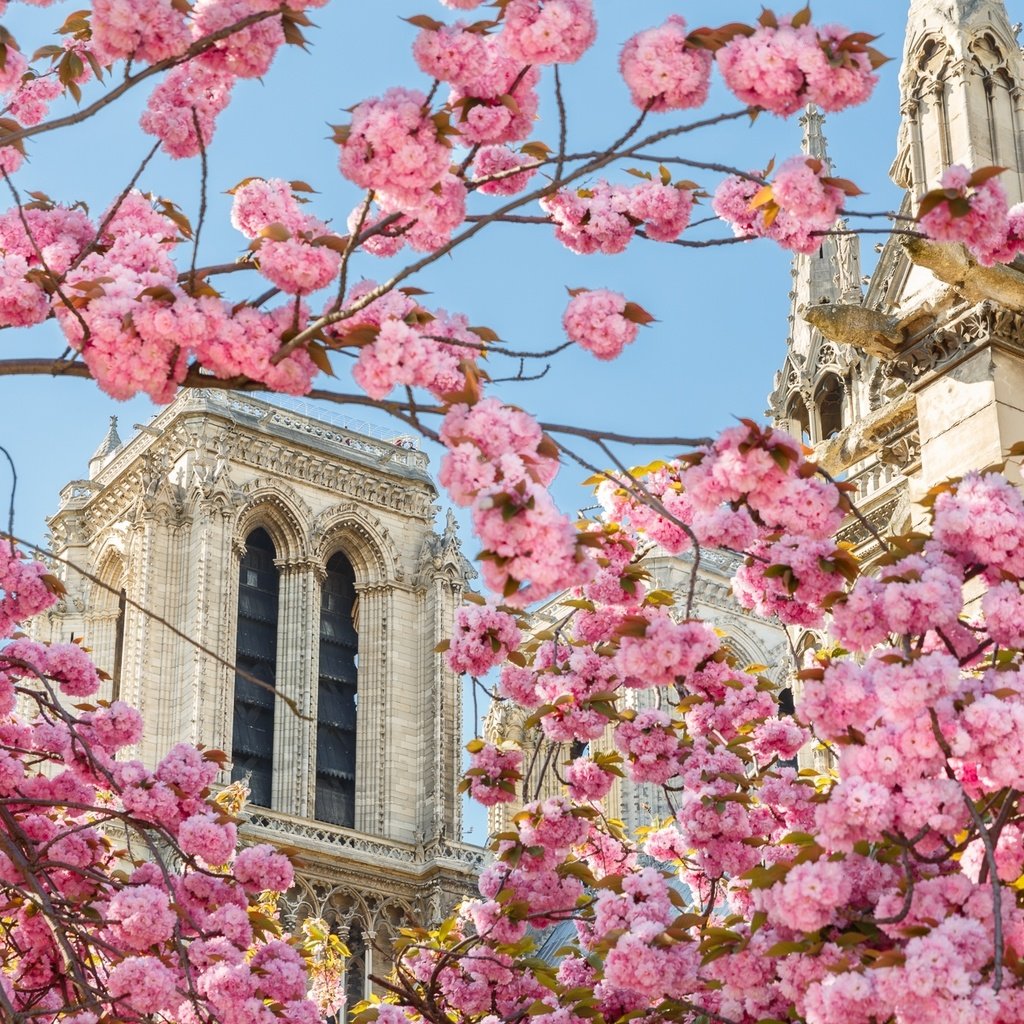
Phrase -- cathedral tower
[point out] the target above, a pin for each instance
(269, 584)
(813, 394)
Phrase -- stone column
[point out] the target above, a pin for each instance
(442, 805)
(373, 624)
(141, 633)
(213, 624)
(298, 632)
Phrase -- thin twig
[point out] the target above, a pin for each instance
(14, 486)
(353, 240)
(112, 212)
(65, 301)
(130, 81)
(400, 410)
(990, 853)
(202, 199)
(562, 125)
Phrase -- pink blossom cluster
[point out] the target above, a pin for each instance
(291, 252)
(27, 587)
(401, 343)
(572, 688)
(972, 209)
(782, 66)
(169, 934)
(604, 218)
(493, 773)
(491, 167)
(182, 110)
(790, 578)
(482, 637)
(451, 53)
(801, 204)
(980, 522)
(499, 462)
(596, 320)
(67, 664)
(425, 225)
(147, 32)
(393, 146)
(56, 236)
(635, 964)
(484, 115)
(663, 70)
(650, 746)
(589, 779)
(548, 31)
(666, 652)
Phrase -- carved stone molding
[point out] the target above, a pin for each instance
(276, 506)
(362, 536)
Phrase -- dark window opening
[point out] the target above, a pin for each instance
(786, 704)
(337, 698)
(830, 406)
(787, 708)
(799, 420)
(252, 741)
(355, 967)
(115, 672)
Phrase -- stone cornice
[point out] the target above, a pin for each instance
(338, 851)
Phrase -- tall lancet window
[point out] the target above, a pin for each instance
(799, 420)
(337, 699)
(252, 741)
(829, 399)
(116, 670)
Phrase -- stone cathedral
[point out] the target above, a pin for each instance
(305, 554)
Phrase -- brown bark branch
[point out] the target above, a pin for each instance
(198, 47)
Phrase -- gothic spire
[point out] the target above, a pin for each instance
(832, 274)
(813, 123)
(110, 444)
(961, 69)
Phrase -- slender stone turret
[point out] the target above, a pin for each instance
(960, 98)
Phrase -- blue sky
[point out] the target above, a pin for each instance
(721, 312)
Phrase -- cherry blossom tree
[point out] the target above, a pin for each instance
(122, 893)
(883, 890)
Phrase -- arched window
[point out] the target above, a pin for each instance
(252, 741)
(337, 697)
(787, 708)
(355, 966)
(786, 705)
(799, 421)
(829, 399)
(115, 671)
(932, 141)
